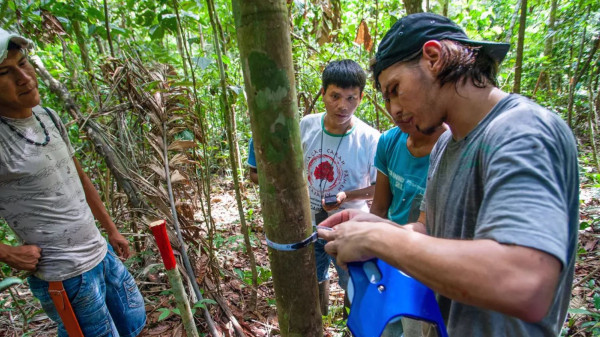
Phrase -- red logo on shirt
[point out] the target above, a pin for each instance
(324, 171)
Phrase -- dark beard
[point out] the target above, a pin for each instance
(430, 130)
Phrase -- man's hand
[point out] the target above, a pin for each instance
(120, 245)
(354, 215)
(24, 257)
(352, 236)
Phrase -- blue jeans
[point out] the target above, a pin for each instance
(105, 299)
(323, 260)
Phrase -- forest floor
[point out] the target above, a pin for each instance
(235, 291)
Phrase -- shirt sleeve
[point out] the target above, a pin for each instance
(380, 155)
(373, 155)
(251, 155)
(62, 129)
(524, 203)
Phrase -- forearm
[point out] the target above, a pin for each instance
(3, 252)
(418, 226)
(254, 175)
(383, 196)
(23, 257)
(378, 210)
(93, 200)
(361, 194)
(514, 280)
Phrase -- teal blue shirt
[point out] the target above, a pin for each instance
(407, 175)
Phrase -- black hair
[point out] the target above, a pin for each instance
(345, 74)
(13, 46)
(462, 62)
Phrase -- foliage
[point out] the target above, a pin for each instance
(592, 326)
(146, 81)
(166, 312)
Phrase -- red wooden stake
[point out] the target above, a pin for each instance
(159, 230)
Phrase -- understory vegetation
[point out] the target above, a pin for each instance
(138, 85)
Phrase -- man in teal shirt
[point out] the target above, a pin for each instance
(402, 161)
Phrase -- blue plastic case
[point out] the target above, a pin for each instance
(380, 293)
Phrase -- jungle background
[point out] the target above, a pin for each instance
(140, 86)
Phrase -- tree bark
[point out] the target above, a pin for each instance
(548, 47)
(233, 156)
(83, 50)
(107, 25)
(591, 119)
(577, 73)
(265, 51)
(413, 6)
(520, 42)
(513, 22)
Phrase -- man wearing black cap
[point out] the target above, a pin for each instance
(499, 242)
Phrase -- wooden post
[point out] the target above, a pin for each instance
(159, 230)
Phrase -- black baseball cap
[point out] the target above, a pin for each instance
(408, 35)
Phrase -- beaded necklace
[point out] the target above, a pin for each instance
(46, 141)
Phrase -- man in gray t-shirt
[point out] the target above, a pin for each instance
(50, 203)
(499, 243)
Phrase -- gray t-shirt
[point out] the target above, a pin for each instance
(513, 179)
(42, 199)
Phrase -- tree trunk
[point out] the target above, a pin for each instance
(577, 73)
(413, 6)
(107, 25)
(548, 46)
(81, 43)
(520, 42)
(233, 156)
(513, 22)
(591, 119)
(265, 52)
(99, 44)
(179, 41)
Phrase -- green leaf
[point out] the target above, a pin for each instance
(147, 18)
(202, 62)
(95, 13)
(597, 301)
(192, 16)
(583, 312)
(193, 40)
(118, 30)
(169, 21)
(156, 32)
(176, 311)
(164, 313)
(9, 282)
(63, 20)
(149, 86)
(203, 302)
(236, 88)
